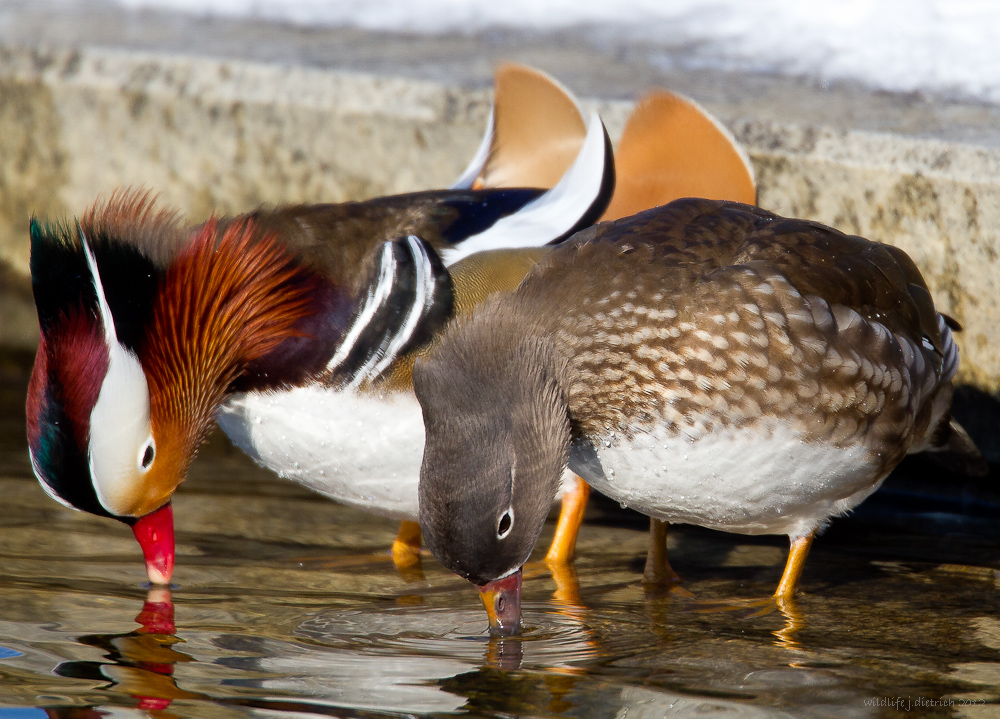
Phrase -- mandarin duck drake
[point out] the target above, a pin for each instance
(705, 362)
(361, 444)
(281, 323)
(147, 329)
(148, 326)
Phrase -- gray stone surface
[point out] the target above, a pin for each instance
(221, 116)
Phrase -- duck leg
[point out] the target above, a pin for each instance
(783, 598)
(406, 547)
(574, 502)
(563, 547)
(658, 569)
(796, 562)
(404, 554)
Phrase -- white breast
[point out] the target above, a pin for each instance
(359, 449)
(764, 480)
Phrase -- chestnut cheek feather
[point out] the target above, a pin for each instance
(155, 534)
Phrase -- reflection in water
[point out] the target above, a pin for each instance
(506, 654)
(623, 654)
(795, 622)
(550, 638)
(282, 611)
(141, 662)
(393, 659)
(787, 607)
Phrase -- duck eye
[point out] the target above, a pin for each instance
(148, 454)
(506, 522)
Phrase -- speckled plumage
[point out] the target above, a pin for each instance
(708, 315)
(723, 366)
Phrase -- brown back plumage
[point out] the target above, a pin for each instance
(335, 238)
(702, 315)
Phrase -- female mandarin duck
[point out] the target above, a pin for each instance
(704, 362)
(295, 317)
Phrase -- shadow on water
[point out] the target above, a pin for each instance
(286, 605)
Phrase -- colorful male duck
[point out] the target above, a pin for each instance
(705, 362)
(289, 319)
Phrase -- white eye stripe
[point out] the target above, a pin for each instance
(110, 336)
(120, 429)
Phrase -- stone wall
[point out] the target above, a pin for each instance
(225, 136)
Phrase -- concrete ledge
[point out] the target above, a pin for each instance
(228, 135)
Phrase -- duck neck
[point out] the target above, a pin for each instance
(501, 371)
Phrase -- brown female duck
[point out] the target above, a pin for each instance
(705, 362)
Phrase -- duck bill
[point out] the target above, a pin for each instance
(155, 534)
(502, 599)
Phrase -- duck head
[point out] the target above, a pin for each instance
(497, 437)
(143, 329)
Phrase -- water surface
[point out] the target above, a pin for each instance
(286, 605)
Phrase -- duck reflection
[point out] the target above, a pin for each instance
(490, 692)
(419, 660)
(785, 637)
(141, 662)
(401, 658)
(505, 653)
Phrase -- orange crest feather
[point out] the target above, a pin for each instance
(225, 302)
